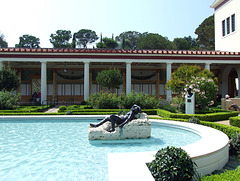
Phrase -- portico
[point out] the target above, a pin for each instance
(70, 74)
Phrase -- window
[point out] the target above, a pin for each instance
(228, 25)
(233, 22)
(223, 28)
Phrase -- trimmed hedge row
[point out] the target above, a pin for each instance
(235, 121)
(203, 117)
(230, 175)
(228, 130)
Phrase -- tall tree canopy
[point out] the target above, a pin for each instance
(85, 36)
(182, 44)
(154, 41)
(61, 39)
(3, 43)
(128, 39)
(206, 34)
(107, 43)
(28, 41)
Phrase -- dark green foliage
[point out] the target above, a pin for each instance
(61, 39)
(111, 78)
(104, 100)
(3, 43)
(9, 79)
(194, 120)
(8, 100)
(154, 41)
(107, 43)
(85, 36)
(229, 175)
(128, 39)
(62, 109)
(234, 146)
(182, 44)
(203, 117)
(206, 35)
(28, 41)
(235, 121)
(172, 164)
(145, 101)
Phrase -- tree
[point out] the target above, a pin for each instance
(3, 43)
(9, 80)
(205, 90)
(182, 44)
(128, 39)
(61, 39)
(181, 77)
(154, 41)
(202, 82)
(85, 36)
(28, 41)
(107, 43)
(111, 78)
(206, 34)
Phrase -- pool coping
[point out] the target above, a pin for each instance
(210, 153)
(132, 166)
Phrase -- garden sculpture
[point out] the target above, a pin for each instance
(119, 120)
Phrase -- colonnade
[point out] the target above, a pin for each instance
(86, 78)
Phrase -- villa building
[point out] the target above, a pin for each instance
(227, 24)
(69, 75)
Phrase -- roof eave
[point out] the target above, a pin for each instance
(216, 3)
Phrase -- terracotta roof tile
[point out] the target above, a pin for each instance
(117, 51)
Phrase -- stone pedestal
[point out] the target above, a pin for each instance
(190, 104)
(137, 128)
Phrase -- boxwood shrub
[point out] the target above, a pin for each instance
(235, 121)
(229, 175)
(204, 117)
(172, 163)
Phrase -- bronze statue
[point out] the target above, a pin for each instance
(120, 121)
(189, 94)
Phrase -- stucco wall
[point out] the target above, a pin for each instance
(230, 42)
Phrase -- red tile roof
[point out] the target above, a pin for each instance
(115, 51)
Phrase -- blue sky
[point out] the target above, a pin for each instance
(40, 18)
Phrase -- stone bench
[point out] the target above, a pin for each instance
(137, 128)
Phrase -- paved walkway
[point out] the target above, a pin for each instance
(53, 109)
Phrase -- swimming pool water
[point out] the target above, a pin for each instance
(60, 149)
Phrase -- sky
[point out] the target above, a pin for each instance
(41, 18)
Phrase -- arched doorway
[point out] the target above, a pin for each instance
(232, 79)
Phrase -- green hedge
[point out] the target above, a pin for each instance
(228, 130)
(229, 175)
(203, 117)
(235, 121)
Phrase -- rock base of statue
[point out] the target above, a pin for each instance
(137, 128)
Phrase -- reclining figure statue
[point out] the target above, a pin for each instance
(120, 121)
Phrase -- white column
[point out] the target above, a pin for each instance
(43, 82)
(86, 80)
(207, 66)
(128, 78)
(168, 77)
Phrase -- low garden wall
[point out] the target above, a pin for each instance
(225, 103)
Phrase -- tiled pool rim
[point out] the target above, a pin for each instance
(210, 153)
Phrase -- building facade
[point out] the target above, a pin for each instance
(69, 75)
(227, 24)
